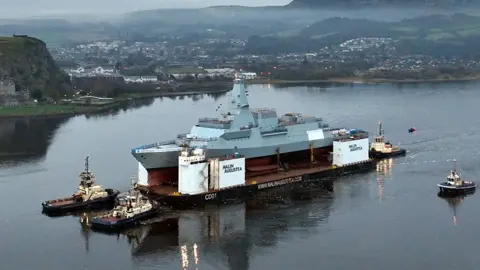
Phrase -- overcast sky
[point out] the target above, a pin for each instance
(23, 8)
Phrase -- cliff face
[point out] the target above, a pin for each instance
(404, 3)
(27, 61)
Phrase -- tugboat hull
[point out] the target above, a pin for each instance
(381, 155)
(111, 224)
(466, 188)
(68, 205)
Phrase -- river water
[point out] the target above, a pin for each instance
(387, 219)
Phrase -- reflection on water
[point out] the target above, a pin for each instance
(384, 167)
(384, 170)
(223, 236)
(195, 97)
(125, 107)
(26, 139)
(454, 203)
(85, 219)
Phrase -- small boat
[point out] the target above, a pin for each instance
(130, 209)
(88, 195)
(380, 149)
(411, 130)
(455, 185)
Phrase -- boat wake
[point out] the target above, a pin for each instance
(425, 161)
(439, 138)
(10, 175)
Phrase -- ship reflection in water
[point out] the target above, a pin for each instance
(84, 219)
(454, 203)
(222, 237)
(384, 171)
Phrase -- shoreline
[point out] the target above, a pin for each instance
(360, 80)
(70, 110)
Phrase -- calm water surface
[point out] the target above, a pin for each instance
(388, 219)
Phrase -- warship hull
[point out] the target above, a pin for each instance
(167, 156)
(68, 205)
(319, 175)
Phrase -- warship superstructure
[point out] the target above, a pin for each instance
(264, 139)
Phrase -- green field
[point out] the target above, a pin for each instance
(41, 110)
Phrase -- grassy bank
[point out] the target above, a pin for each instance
(362, 80)
(50, 110)
(174, 93)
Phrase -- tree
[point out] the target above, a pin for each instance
(36, 94)
(189, 78)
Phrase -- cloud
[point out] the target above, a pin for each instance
(23, 8)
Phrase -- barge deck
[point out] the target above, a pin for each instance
(168, 195)
(221, 180)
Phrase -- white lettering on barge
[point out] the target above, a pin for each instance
(280, 182)
(210, 196)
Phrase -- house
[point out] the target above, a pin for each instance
(141, 79)
(149, 78)
(248, 75)
(7, 87)
(101, 70)
(93, 100)
(216, 72)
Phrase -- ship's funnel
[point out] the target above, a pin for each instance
(239, 97)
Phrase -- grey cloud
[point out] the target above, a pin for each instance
(24, 8)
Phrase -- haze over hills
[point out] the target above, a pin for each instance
(381, 3)
(215, 21)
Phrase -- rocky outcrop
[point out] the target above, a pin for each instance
(27, 62)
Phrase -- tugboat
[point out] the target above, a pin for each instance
(380, 149)
(130, 209)
(455, 185)
(89, 195)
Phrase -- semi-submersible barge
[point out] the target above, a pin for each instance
(247, 150)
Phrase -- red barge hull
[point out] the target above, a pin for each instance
(254, 166)
(165, 194)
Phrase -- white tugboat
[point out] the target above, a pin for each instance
(88, 195)
(130, 209)
(455, 185)
(380, 149)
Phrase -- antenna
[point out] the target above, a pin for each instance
(86, 164)
(380, 130)
(454, 165)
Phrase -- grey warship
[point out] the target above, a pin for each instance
(259, 135)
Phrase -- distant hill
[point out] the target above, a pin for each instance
(439, 34)
(362, 3)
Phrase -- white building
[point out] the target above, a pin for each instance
(141, 79)
(248, 75)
